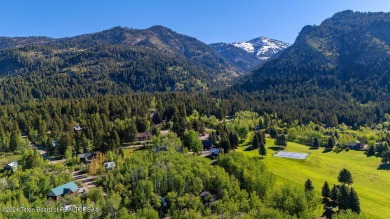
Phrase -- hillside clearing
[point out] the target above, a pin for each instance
(371, 184)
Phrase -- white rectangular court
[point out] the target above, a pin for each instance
(292, 155)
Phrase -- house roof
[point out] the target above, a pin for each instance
(85, 155)
(214, 151)
(353, 144)
(77, 128)
(63, 189)
(144, 134)
(13, 164)
(109, 165)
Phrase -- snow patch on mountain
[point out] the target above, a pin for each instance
(263, 47)
(245, 46)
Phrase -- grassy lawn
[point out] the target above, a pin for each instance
(371, 184)
(6, 158)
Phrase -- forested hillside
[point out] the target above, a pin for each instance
(349, 52)
(114, 61)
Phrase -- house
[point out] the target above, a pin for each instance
(11, 166)
(144, 136)
(207, 144)
(65, 189)
(86, 157)
(215, 151)
(354, 145)
(109, 165)
(77, 128)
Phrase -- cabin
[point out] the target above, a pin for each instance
(86, 157)
(207, 144)
(13, 166)
(65, 189)
(109, 165)
(144, 136)
(354, 145)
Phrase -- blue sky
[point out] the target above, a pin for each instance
(208, 20)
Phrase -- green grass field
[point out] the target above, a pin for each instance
(371, 184)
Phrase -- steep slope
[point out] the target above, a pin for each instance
(349, 51)
(118, 60)
(238, 57)
(248, 55)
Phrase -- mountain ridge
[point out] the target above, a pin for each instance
(349, 51)
(250, 54)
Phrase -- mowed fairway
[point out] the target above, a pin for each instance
(371, 184)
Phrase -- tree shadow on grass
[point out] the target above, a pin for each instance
(250, 148)
(384, 166)
(338, 150)
(275, 148)
(327, 150)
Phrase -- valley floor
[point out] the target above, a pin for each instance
(372, 184)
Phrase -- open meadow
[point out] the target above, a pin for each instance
(371, 183)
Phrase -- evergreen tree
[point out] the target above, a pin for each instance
(260, 124)
(281, 140)
(333, 193)
(316, 143)
(325, 190)
(255, 142)
(330, 144)
(262, 134)
(14, 142)
(272, 132)
(262, 150)
(233, 138)
(386, 157)
(345, 177)
(354, 201)
(343, 199)
(309, 186)
(371, 151)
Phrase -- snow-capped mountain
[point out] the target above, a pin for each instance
(262, 47)
(247, 55)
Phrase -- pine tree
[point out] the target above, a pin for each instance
(255, 142)
(233, 138)
(262, 150)
(262, 134)
(325, 190)
(309, 186)
(330, 144)
(354, 201)
(343, 199)
(14, 142)
(345, 177)
(371, 151)
(272, 132)
(281, 140)
(333, 193)
(316, 143)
